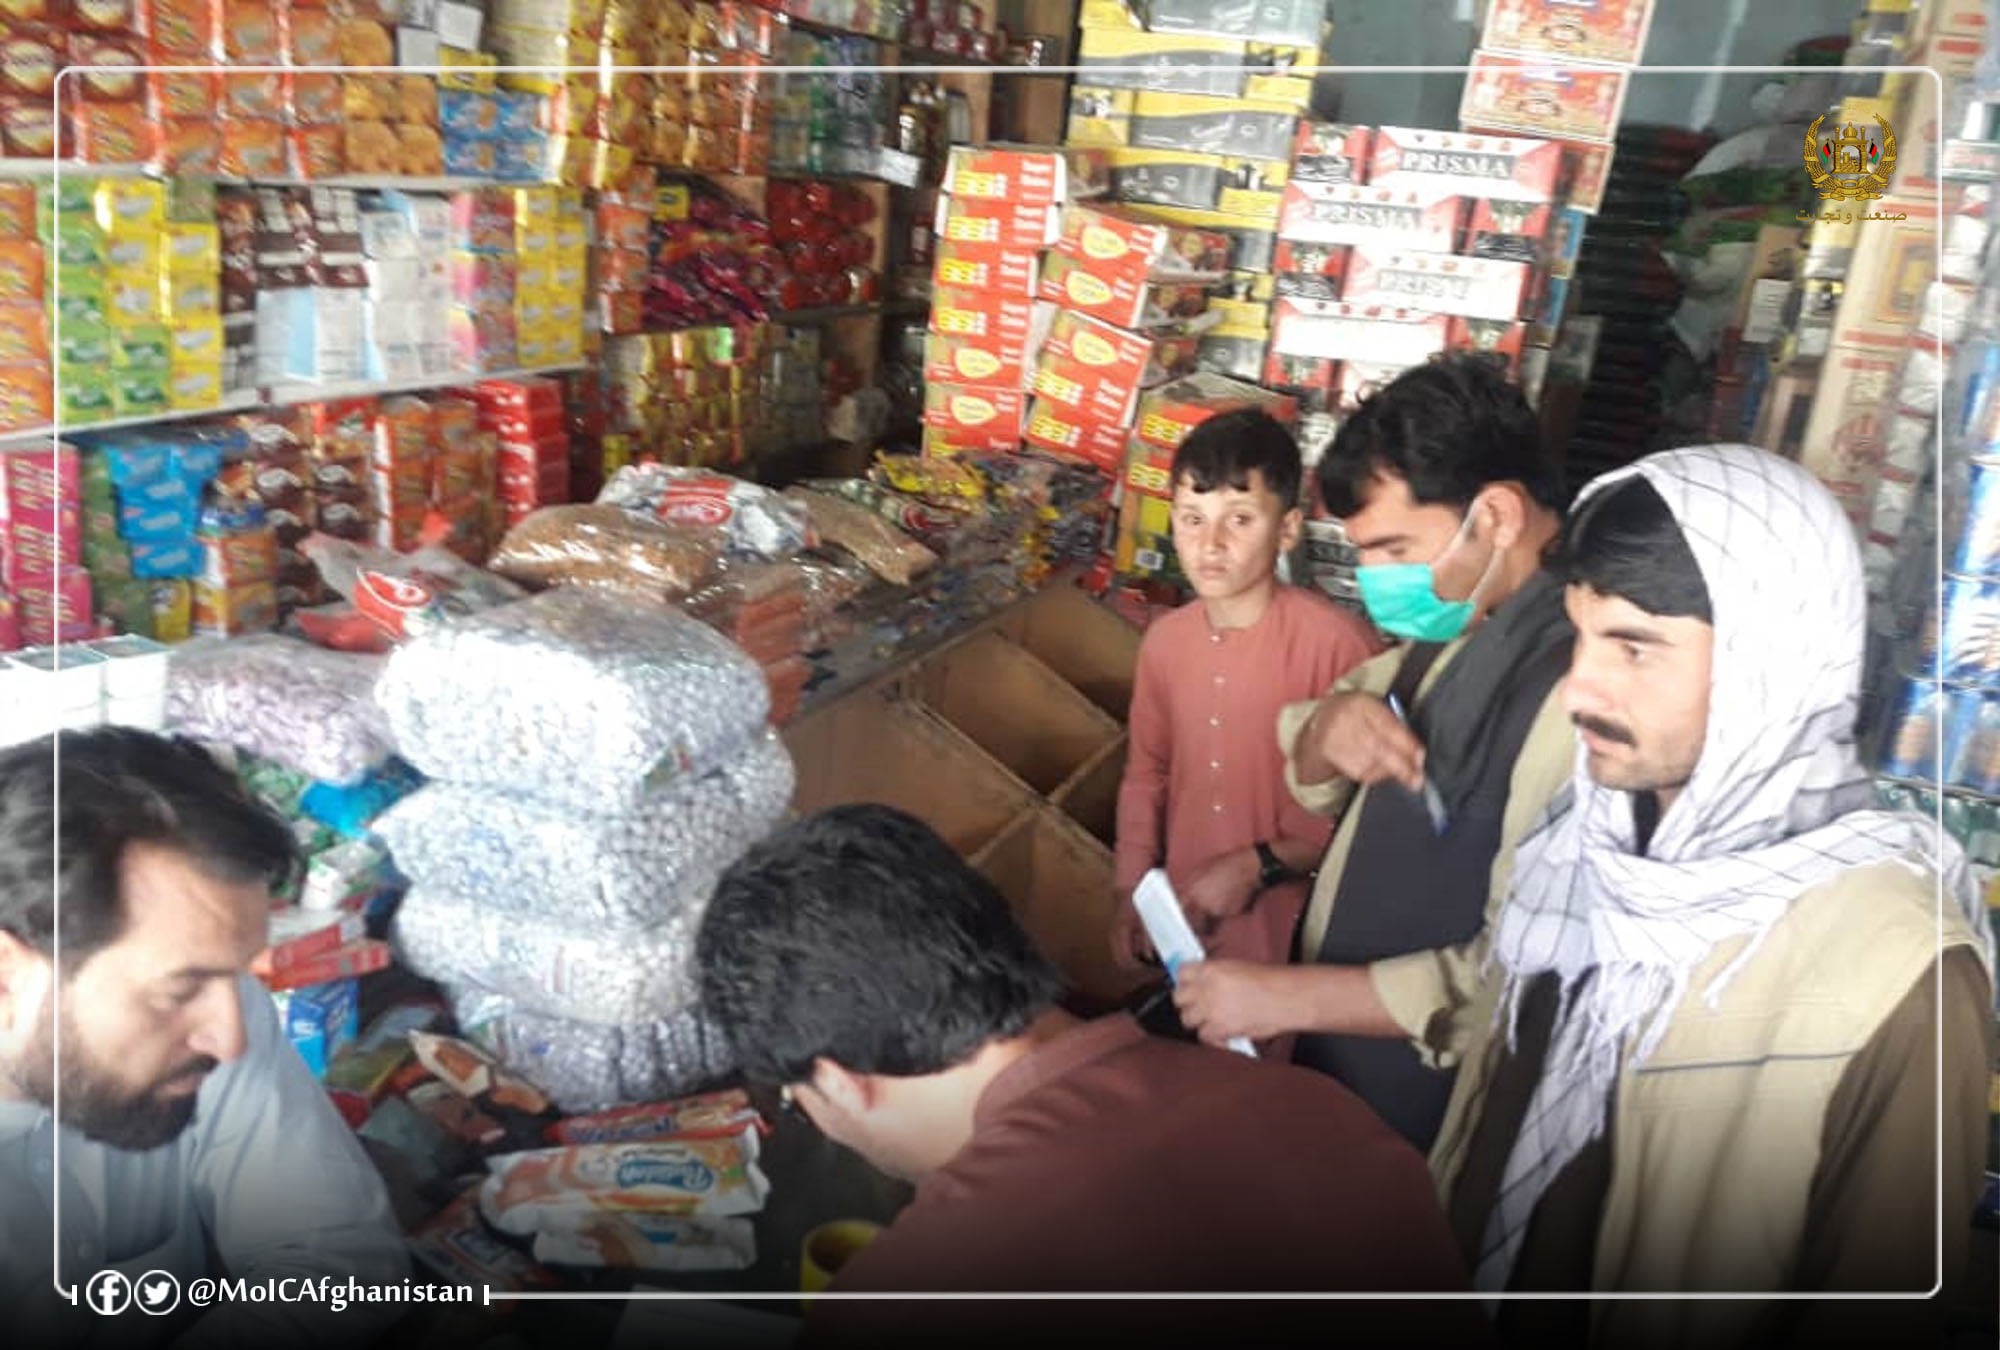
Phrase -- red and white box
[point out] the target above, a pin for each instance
(1331, 152)
(979, 362)
(1295, 259)
(988, 267)
(1440, 283)
(1027, 176)
(1540, 97)
(1003, 224)
(1055, 429)
(974, 417)
(1093, 370)
(1339, 331)
(1358, 380)
(1584, 30)
(1471, 164)
(1328, 213)
(1115, 244)
(956, 312)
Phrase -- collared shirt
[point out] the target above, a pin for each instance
(1204, 775)
(267, 1178)
(1108, 1160)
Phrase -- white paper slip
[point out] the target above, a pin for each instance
(1173, 938)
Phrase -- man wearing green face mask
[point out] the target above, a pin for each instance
(1434, 757)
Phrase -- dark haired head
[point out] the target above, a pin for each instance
(1226, 449)
(1624, 542)
(119, 787)
(858, 935)
(1449, 429)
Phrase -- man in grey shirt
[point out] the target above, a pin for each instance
(179, 1134)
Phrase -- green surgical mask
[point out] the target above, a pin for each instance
(1402, 598)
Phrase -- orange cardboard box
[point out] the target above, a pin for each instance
(986, 363)
(1026, 176)
(1124, 301)
(975, 417)
(988, 267)
(957, 312)
(1093, 370)
(1115, 245)
(1056, 429)
(1169, 413)
(1005, 224)
(1540, 97)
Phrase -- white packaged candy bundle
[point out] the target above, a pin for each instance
(584, 1067)
(592, 700)
(523, 855)
(642, 1241)
(755, 521)
(310, 709)
(568, 968)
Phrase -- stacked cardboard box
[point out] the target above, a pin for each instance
(1397, 244)
(1000, 208)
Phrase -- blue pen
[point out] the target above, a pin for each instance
(1432, 799)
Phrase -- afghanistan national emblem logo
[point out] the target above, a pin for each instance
(1850, 162)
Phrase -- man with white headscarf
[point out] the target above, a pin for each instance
(1715, 1064)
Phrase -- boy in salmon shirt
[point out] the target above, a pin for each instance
(1204, 792)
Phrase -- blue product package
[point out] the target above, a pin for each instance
(320, 1020)
(1978, 551)
(520, 114)
(468, 115)
(1969, 631)
(196, 459)
(519, 159)
(159, 561)
(1909, 741)
(134, 460)
(350, 810)
(156, 524)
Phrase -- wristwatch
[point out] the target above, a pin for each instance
(1270, 870)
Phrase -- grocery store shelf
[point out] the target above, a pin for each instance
(33, 437)
(41, 168)
(281, 396)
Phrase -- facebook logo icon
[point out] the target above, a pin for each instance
(108, 1293)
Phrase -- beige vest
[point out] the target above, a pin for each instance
(1717, 1137)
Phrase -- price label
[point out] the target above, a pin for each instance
(969, 230)
(1158, 428)
(1056, 387)
(961, 272)
(1149, 478)
(959, 322)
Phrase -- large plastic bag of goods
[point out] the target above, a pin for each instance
(557, 966)
(888, 552)
(587, 1067)
(606, 548)
(581, 698)
(523, 855)
(755, 521)
(402, 594)
(311, 710)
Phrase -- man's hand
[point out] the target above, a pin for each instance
(1356, 737)
(1220, 888)
(1131, 949)
(1221, 999)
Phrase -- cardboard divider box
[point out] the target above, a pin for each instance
(1090, 797)
(1014, 708)
(1059, 882)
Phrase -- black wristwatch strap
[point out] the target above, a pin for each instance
(1271, 871)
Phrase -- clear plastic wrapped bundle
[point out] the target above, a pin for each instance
(606, 548)
(755, 521)
(585, 699)
(311, 710)
(570, 969)
(584, 1067)
(525, 856)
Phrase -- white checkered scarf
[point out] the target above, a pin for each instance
(1778, 804)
